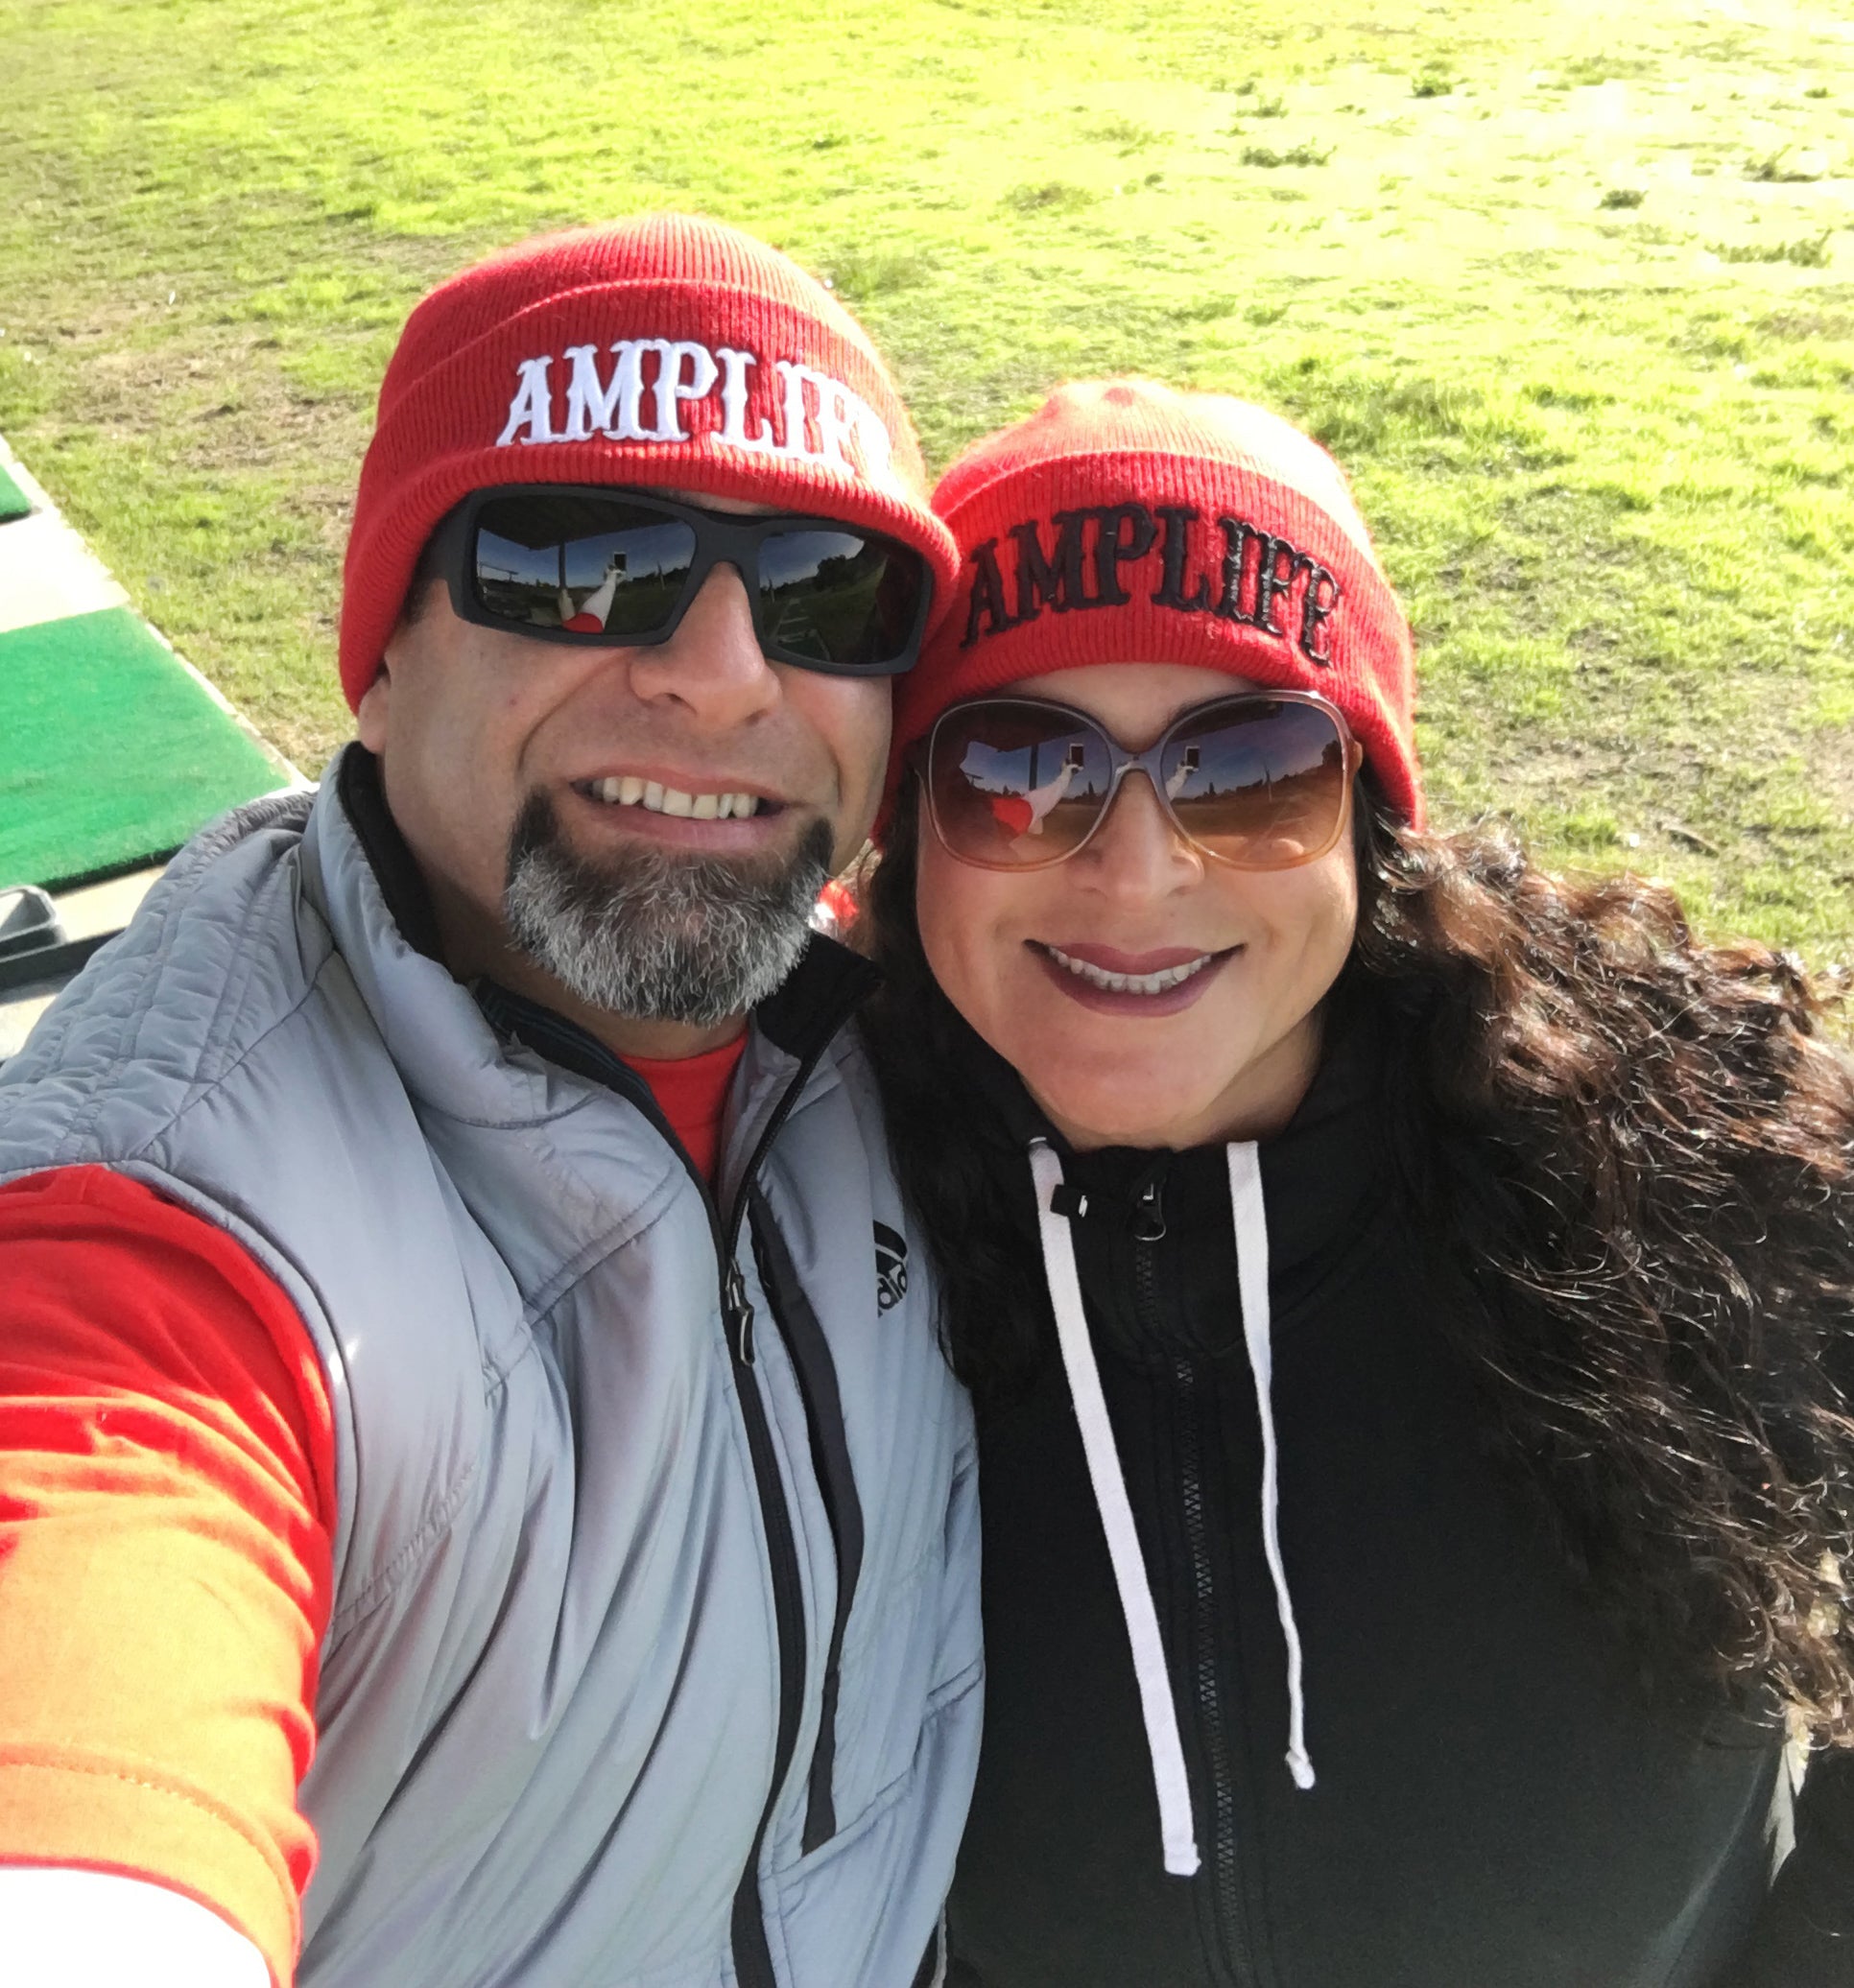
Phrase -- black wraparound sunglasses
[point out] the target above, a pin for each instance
(602, 566)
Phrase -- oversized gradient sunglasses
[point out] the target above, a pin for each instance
(595, 565)
(1261, 780)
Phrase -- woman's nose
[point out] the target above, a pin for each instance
(1139, 850)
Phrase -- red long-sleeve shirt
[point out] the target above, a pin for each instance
(167, 1512)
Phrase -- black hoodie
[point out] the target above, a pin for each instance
(1502, 1800)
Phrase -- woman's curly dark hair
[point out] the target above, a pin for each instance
(1631, 1155)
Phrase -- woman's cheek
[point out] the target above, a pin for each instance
(963, 913)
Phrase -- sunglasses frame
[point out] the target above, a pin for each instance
(1149, 763)
(723, 539)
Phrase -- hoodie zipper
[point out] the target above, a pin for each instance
(1149, 1231)
(1225, 1880)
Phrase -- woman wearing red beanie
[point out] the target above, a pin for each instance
(1406, 1294)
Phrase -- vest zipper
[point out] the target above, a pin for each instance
(1149, 1231)
(736, 1312)
(562, 1042)
(752, 1951)
(816, 1370)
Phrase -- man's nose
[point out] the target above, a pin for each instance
(713, 664)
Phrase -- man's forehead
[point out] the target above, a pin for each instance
(674, 493)
(741, 507)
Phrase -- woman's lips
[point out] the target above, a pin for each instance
(1079, 972)
(1111, 960)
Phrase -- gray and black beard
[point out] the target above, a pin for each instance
(656, 935)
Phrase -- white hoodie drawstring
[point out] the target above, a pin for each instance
(1160, 1714)
(1250, 1215)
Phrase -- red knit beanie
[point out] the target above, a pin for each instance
(1126, 522)
(664, 351)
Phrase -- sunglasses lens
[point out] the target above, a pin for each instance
(845, 599)
(1261, 784)
(616, 568)
(591, 565)
(1016, 786)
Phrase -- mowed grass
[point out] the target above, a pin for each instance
(1569, 290)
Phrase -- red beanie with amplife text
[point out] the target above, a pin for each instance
(1126, 522)
(666, 351)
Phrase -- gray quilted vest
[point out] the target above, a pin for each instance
(654, 1659)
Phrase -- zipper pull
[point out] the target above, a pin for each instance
(737, 1316)
(1149, 1214)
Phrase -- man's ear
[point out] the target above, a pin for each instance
(371, 713)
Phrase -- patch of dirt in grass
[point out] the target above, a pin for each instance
(226, 404)
(1831, 759)
(1809, 325)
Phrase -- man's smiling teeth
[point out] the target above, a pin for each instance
(627, 791)
(1130, 983)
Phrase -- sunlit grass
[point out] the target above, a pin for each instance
(1543, 277)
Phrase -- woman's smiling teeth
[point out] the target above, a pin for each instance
(629, 791)
(1130, 983)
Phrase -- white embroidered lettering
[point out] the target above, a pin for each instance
(672, 386)
(837, 409)
(791, 411)
(590, 406)
(878, 446)
(533, 407)
(733, 403)
(819, 419)
(629, 379)
(850, 433)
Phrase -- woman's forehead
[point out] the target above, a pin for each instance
(1135, 701)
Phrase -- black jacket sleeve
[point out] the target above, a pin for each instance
(1804, 1937)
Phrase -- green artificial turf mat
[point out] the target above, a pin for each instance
(14, 501)
(110, 754)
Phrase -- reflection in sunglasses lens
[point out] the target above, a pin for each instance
(836, 596)
(1263, 785)
(1018, 785)
(593, 565)
(574, 562)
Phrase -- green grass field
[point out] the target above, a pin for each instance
(1569, 289)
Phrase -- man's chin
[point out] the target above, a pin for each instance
(657, 932)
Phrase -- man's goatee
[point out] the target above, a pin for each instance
(659, 935)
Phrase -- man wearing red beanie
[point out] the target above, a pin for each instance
(468, 1432)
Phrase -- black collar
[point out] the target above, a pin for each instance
(396, 869)
(1329, 1164)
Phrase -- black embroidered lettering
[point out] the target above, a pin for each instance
(1125, 533)
(1274, 575)
(1317, 611)
(1057, 582)
(1172, 547)
(1236, 543)
(987, 594)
